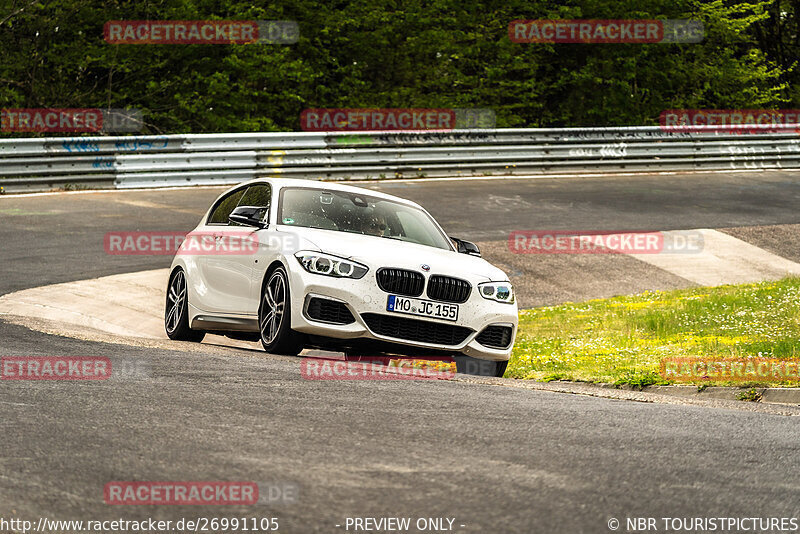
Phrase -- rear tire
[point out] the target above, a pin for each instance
(176, 312)
(275, 316)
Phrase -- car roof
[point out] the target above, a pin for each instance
(281, 183)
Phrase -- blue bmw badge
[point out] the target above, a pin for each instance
(425, 267)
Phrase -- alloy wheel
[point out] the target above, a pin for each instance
(273, 305)
(177, 297)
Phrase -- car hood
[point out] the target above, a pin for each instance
(377, 252)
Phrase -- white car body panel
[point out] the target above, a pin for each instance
(234, 295)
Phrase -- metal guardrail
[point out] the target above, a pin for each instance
(203, 159)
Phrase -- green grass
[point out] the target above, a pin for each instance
(751, 395)
(622, 340)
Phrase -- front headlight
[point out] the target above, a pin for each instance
(321, 263)
(499, 291)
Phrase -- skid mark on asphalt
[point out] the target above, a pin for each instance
(724, 259)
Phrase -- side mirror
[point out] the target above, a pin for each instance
(467, 247)
(249, 216)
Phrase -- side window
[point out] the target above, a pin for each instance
(225, 207)
(258, 196)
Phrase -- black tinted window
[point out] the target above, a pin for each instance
(256, 195)
(225, 207)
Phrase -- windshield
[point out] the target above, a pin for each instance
(359, 214)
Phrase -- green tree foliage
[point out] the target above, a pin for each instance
(388, 53)
(778, 35)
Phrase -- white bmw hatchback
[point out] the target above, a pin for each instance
(298, 263)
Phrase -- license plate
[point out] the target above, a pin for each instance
(425, 308)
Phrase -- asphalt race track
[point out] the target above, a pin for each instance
(491, 457)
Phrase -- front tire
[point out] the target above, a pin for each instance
(176, 313)
(275, 316)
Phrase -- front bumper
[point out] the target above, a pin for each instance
(364, 296)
